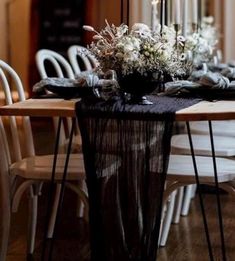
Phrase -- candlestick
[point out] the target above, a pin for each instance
(185, 18)
(176, 12)
(162, 14)
(177, 29)
(166, 12)
(128, 12)
(195, 11)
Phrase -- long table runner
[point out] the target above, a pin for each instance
(126, 149)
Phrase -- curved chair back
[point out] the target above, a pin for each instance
(8, 81)
(59, 63)
(76, 54)
(62, 68)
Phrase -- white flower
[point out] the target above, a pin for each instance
(141, 30)
(88, 28)
(140, 50)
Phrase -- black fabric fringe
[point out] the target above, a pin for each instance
(126, 150)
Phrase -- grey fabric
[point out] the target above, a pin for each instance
(103, 88)
(208, 81)
(229, 72)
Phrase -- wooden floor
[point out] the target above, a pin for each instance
(186, 240)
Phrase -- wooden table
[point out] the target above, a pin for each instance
(218, 110)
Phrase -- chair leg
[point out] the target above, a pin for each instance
(187, 200)
(167, 220)
(33, 210)
(180, 194)
(80, 204)
(51, 226)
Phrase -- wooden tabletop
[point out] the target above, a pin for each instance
(205, 110)
(41, 108)
(218, 110)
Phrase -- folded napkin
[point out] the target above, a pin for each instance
(208, 81)
(102, 88)
(229, 72)
(217, 67)
(214, 81)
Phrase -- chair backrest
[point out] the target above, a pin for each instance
(58, 62)
(8, 81)
(76, 54)
(62, 68)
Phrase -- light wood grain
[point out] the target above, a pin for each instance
(205, 110)
(41, 108)
(218, 110)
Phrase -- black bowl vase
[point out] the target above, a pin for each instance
(138, 86)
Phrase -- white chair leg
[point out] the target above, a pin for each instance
(167, 220)
(187, 200)
(179, 200)
(33, 210)
(80, 204)
(194, 189)
(54, 212)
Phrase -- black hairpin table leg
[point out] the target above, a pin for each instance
(50, 250)
(200, 193)
(50, 193)
(63, 181)
(217, 194)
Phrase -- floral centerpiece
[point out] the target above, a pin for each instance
(140, 57)
(202, 44)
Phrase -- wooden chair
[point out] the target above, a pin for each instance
(27, 171)
(81, 59)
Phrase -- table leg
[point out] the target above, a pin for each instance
(200, 192)
(50, 193)
(217, 193)
(61, 196)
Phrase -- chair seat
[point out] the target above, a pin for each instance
(181, 167)
(76, 144)
(221, 128)
(224, 146)
(40, 167)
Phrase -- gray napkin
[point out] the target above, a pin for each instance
(176, 87)
(207, 81)
(102, 88)
(229, 72)
(214, 81)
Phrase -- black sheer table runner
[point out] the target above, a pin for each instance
(126, 149)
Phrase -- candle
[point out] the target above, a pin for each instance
(185, 18)
(194, 11)
(176, 12)
(154, 14)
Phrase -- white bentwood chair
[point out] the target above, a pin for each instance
(27, 172)
(81, 59)
(53, 64)
(224, 147)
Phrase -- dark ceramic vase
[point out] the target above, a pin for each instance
(138, 86)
